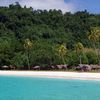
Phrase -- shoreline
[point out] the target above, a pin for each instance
(53, 74)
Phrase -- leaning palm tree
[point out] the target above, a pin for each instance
(79, 48)
(28, 46)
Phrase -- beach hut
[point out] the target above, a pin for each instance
(12, 67)
(36, 68)
(5, 67)
(84, 67)
(95, 67)
(61, 67)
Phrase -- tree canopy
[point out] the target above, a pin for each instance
(46, 29)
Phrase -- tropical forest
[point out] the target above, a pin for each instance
(30, 37)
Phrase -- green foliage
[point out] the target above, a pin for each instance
(95, 38)
(28, 48)
(79, 47)
(6, 50)
(28, 44)
(74, 60)
(61, 52)
(18, 60)
(28, 37)
(92, 57)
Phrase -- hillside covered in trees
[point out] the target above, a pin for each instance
(31, 37)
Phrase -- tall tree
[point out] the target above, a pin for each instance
(79, 50)
(28, 46)
(94, 37)
(62, 50)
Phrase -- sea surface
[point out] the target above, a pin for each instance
(29, 88)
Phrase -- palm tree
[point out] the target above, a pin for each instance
(79, 50)
(62, 50)
(94, 37)
(28, 46)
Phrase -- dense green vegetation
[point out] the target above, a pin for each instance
(31, 37)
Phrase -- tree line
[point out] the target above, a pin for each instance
(30, 37)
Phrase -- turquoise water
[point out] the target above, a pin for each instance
(28, 88)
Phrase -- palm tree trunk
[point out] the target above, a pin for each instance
(99, 51)
(96, 53)
(80, 59)
(28, 61)
(63, 60)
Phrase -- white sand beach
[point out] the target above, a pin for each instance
(53, 74)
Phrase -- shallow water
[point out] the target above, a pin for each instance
(29, 88)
